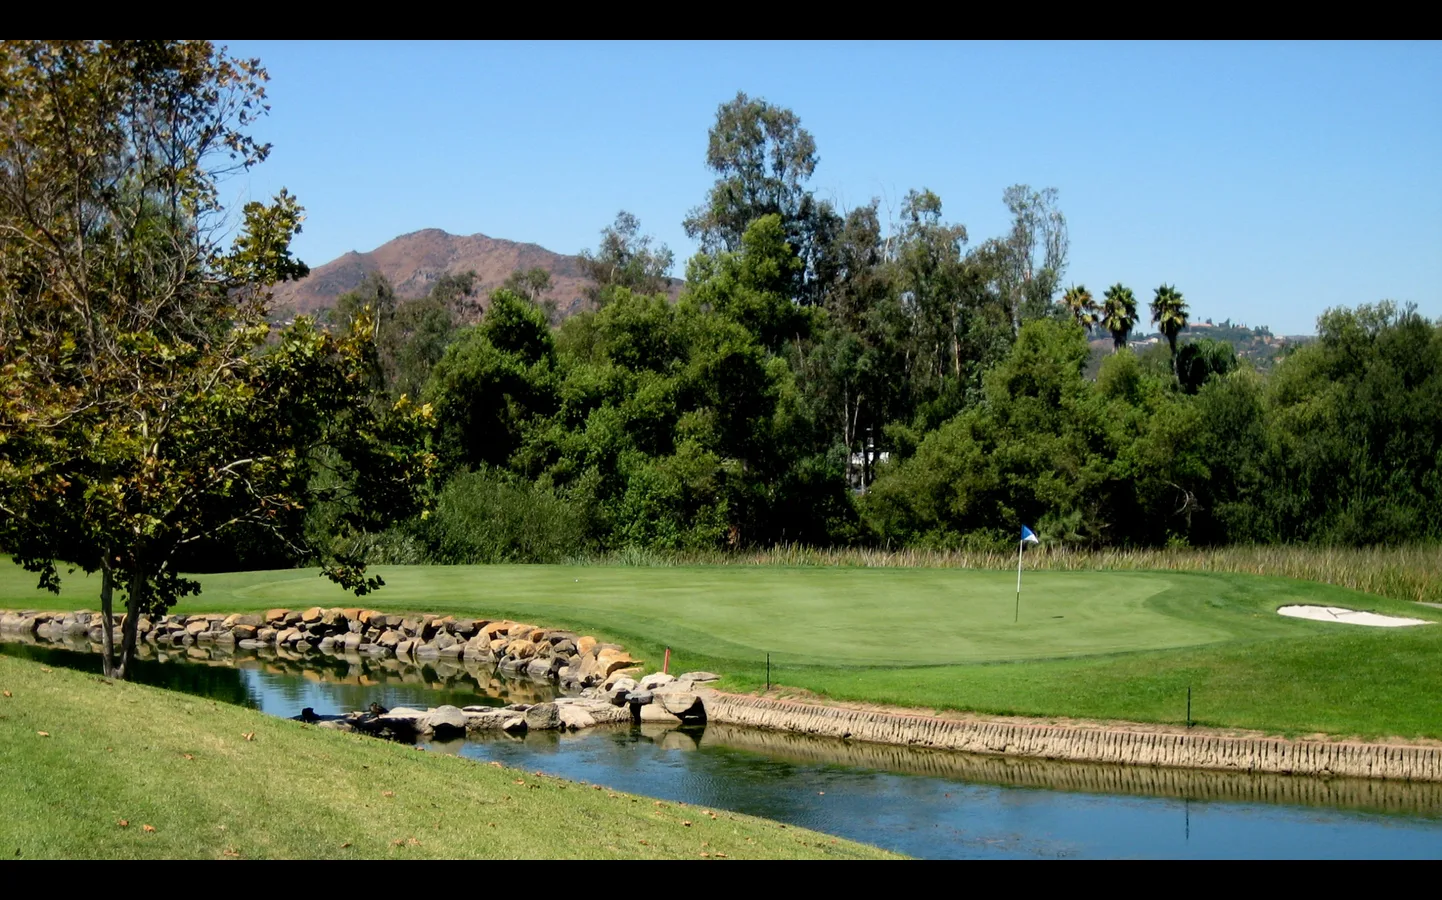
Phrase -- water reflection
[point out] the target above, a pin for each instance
(920, 802)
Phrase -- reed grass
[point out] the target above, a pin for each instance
(1401, 573)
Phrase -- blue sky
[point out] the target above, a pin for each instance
(1266, 181)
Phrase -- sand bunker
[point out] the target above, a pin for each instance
(1350, 616)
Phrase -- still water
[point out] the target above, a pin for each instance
(918, 802)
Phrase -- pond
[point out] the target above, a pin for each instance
(923, 803)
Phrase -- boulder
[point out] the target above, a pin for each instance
(454, 651)
(575, 718)
(685, 705)
(351, 642)
(610, 660)
(327, 644)
(289, 636)
(410, 626)
(250, 644)
(445, 722)
(405, 648)
(266, 635)
(313, 614)
(276, 615)
(543, 717)
(498, 646)
(244, 632)
(444, 639)
(639, 697)
(389, 639)
(514, 725)
(520, 649)
(196, 626)
(565, 647)
(304, 646)
(655, 713)
(428, 650)
(584, 645)
(292, 618)
(655, 680)
(223, 638)
(619, 683)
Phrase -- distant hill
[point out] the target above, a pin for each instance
(412, 262)
(1256, 344)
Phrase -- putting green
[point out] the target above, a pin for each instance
(1107, 645)
(866, 617)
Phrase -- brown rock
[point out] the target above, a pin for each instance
(243, 632)
(276, 615)
(313, 614)
(520, 649)
(389, 639)
(266, 634)
(196, 626)
(585, 644)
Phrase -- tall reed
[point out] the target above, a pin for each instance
(1404, 573)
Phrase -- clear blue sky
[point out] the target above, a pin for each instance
(1267, 181)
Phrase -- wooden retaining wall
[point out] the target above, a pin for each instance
(1079, 744)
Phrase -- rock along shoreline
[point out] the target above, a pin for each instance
(608, 687)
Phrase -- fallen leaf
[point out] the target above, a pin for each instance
(123, 823)
(493, 824)
(188, 756)
(646, 842)
(150, 828)
(345, 845)
(8, 694)
(722, 855)
(249, 735)
(398, 842)
(43, 733)
(45, 670)
(231, 852)
(388, 793)
(413, 842)
(821, 793)
(705, 854)
(497, 765)
(685, 823)
(595, 787)
(520, 781)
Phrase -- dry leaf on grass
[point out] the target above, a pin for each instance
(188, 756)
(43, 733)
(248, 735)
(231, 852)
(123, 823)
(388, 793)
(345, 845)
(8, 694)
(686, 823)
(148, 828)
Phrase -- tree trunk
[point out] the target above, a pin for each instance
(134, 603)
(107, 617)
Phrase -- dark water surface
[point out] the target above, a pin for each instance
(919, 802)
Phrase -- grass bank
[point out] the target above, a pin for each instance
(1100, 645)
(90, 769)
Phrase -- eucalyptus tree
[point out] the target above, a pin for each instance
(1119, 313)
(626, 258)
(1169, 314)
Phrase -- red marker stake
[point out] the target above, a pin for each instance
(666, 666)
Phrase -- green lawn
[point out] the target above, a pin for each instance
(1116, 645)
(113, 753)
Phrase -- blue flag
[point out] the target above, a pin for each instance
(1028, 535)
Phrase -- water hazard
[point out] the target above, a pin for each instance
(919, 802)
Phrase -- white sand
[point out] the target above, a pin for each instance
(1350, 616)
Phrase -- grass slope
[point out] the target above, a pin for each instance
(1111, 645)
(183, 766)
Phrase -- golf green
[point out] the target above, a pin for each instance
(1121, 645)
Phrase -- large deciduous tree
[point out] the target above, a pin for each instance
(144, 402)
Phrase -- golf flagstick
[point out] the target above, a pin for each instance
(1016, 617)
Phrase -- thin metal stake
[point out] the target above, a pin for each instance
(1189, 706)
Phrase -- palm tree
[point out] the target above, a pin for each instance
(1078, 301)
(1119, 313)
(1169, 314)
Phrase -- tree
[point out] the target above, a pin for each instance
(146, 404)
(626, 259)
(1203, 360)
(1169, 314)
(1080, 306)
(762, 158)
(1036, 250)
(1119, 314)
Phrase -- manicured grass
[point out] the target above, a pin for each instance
(183, 766)
(1109, 645)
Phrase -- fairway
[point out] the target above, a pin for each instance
(1123, 645)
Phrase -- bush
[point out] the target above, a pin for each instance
(482, 517)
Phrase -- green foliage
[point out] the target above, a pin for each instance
(486, 517)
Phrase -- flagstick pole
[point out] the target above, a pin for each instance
(1016, 617)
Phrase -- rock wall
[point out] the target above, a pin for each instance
(1093, 745)
(575, 661)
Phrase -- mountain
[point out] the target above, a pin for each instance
(412, 262)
